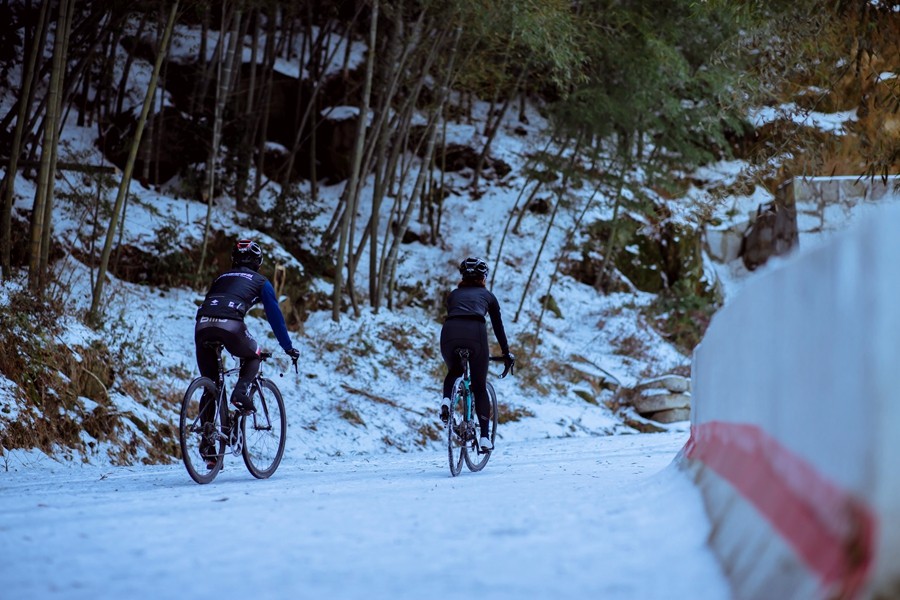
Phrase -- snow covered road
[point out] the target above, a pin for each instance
(593, 517)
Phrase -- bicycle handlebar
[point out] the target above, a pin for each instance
(294, 359)
(509, 369)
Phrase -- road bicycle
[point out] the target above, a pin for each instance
(208, 429)
(462, 424)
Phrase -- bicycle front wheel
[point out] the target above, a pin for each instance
(202, 447)
(456, 428)
(475, 458)
(265, 431)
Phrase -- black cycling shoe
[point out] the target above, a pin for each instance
(445, 414)
(240, 397)
(244, 405)
(208, 452)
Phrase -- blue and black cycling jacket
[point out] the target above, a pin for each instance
(234, 292)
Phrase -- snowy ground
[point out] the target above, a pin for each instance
(587, 517)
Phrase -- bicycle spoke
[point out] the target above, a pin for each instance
(476, 460)
(456, 430)
(265, 431)
(202, 448)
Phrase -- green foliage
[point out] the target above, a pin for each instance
(666, 73)
(502, 38)
(682, 314)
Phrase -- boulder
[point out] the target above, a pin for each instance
(651, 403)
(674, 415)
(670, 382)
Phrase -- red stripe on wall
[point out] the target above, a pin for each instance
(831, 531)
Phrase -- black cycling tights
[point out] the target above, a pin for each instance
(472, 335)
(238, 342)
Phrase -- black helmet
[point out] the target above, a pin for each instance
(246, 253)
(473, 268)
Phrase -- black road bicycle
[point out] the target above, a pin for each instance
(208, 428)
(462, 426)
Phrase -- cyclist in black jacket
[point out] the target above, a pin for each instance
(221, 318)
(465, 327)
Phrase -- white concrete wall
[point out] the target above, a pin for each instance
(808, 356)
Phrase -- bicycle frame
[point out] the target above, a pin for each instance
(203, 429)
(231, 430)
(462, 439)
(468, 397)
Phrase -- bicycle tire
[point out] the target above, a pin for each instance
(456, 443)
(191, 431)
(265, 432)
(477, 464)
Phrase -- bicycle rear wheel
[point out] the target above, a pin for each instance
(265, 431)
(456, 429)
(198, 430)
(475, 458)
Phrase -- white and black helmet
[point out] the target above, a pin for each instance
(246, 253)
(473, 268)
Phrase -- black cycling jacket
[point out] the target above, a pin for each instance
(235, 291)
(468, 301)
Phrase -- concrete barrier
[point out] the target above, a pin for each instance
(795, 424)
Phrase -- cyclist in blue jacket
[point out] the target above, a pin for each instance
(465, 327)
(221, 318)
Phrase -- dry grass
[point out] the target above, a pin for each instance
(65, 406)
(350, 414)
(510, 414)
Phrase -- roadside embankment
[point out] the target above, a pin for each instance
(795, 424)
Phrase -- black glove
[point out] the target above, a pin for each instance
(508, 362)
(293, 353)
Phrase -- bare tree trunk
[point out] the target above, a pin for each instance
(48, 204)
(377, 143)
(512, 213)
(436, 214)
(9, 179)
(494, 128)
(46, 177)
(223, 88)
(561, 191)
(576, 226)
(318, 72)
(244, 149)
(105, 95)
(84, 29)
(263, 130)
(389, 268)
(416, 196)
(129, 166)
(126, 70)
(611, 243)
(202, 62)
(391, 132)
(353, 184)
(524, 207)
